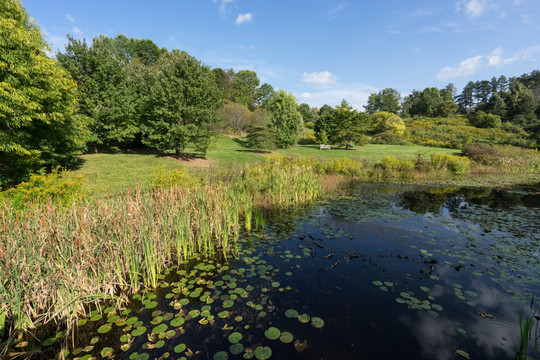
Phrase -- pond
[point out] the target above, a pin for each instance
(379, 272)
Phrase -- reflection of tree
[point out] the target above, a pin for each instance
(424, 201)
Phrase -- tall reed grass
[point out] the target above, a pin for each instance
(56, 261)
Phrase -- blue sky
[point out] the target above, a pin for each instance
(320, 50)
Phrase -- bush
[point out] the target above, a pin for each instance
(455, 164)
(388, 139)
(481, 153)
(340, 166)
(387, 122)
(485, 120)
(60, 187)
(389, 163)
(162, 177)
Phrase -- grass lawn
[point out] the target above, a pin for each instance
(117, 171)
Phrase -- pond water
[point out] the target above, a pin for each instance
(381, 272)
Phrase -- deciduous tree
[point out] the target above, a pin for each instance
(286, 120)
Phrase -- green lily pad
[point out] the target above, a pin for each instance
(223, 314)
(235, 337)
(221, 355)
(317, 322)
(106, 352)
(49, 341)
(286, 337)
(236, 349)
(177, 321)
(104, 329)
(138, 331)
(304, 318)
(180, 348)
(160, 344)
(263, 353)
(291, 313)
(159, 329)
(96, 317)
(132, 320)
(272, 333)
(377, 283)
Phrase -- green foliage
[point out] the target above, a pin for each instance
(286, 120)
(340, 166)
(484, 120)
(181, 100)
(260, 137)
(60, 187)
(163, 177)
(385, 122)
(39, 127)
(457, 132)
(388, 139)
(245, 86)
(392, 164)
(506, 159)
(345, 126)
(455, 164)
(308, 137)
(388, 100)
(322, 137)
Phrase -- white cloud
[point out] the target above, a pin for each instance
(321, 78)
(70, 18)
(356, 94)
(223, 5)
(496, 59)
(466, 67)
(76, 30)
(242, 18)
(336, 9)
(473, 8)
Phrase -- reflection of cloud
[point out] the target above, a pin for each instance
(436, 335)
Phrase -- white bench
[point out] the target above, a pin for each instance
(324, 147)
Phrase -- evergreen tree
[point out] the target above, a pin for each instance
(286, 120)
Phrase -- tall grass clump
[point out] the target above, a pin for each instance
(452, 163)
(505, 159)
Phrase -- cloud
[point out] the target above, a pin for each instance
(223, 5)
(356, 94)
(496, 59)
(320, 78)
(242, 18)
(466, 67)
(493, 59)
(336, 9)
(473, 8)
(70, 18)
(76, 30)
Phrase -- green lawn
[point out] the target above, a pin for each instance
(116, 171)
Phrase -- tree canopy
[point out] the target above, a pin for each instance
(39, 126)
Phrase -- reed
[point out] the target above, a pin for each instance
(58, 258)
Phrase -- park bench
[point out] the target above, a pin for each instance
(324, 147)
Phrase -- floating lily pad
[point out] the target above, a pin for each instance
(159, 329)
(221, 355)
(180, 348)
(272, 333)
(132, 320)
(286, 337)
(263, 353)
(377, 283)
(96, 317)
(304, 318)
(223, 314)
(291, 313)
(106, 352)
(104, 329)
(317, 322)
(235, 337)
(177, 321)
(236, 349)
(463, 354)
(138, 331)
(49, 341)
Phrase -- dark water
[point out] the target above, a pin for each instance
(395, 272)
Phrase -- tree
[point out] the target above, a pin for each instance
(346, 126)
(385, 122)
(39, 127)
(182, 98)
(286, 120)
(264, 92)
(245, 88)
(521, 104)
(465, 99)
(104, 94)
(224, 79)
(308, 114)
(260, 137)
(485, 120)
(496, 105)
(260, 117)
(234, 115)
(426, 102)
(388, 100)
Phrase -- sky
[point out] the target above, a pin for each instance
(322, 51)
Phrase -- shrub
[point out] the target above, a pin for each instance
(162, 177)
(485, 120)
(392, 164)
(387, 122)
(340, 166)
(481, 153)
(308, 137)
(60, 187)
(453, 163)
(388, 139)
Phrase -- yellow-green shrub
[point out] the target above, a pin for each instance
(392, 164)
(60, 187)
(162, 177)
(340, 166)
(455, 164)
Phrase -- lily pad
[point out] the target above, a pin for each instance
(263, 353)
(272, 333)
(106, 352)
(235, 337)
(304, 318)
(236, 349)
(291, 313)
(221, 355)
(286, 337)
(180, 348)
(161, 328)
(317, 322)
(104, 329)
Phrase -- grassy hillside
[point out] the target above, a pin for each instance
(117, 171)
